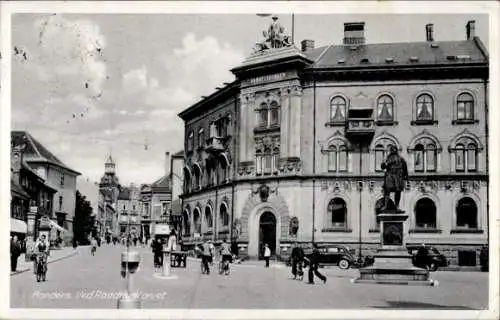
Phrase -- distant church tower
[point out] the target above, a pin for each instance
(109, 188)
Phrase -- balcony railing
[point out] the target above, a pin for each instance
(360, 127)
(215, 144)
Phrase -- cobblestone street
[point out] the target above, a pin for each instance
(83, 281)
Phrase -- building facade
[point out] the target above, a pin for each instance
(56, 176)
(129, 208)
(109, 189)
(156, 200)
(312, 129)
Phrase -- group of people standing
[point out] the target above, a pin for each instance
(298, 259)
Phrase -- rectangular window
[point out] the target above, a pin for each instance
(332, 161)
(431, 160)
(459, 160)
(275, 163)
(190, 141)
(62, 180)
(258, 164)
(343, 160)
(471, 160)
(146, 209)
(274, 116)
(419, 160)
(201, 138)
(267, 164)
(379, 159)
(164, 208)
(263, 118)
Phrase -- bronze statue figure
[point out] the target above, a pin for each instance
(274, 37)
(396, 173)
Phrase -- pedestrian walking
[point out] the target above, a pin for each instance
(313, 266)
(93, 246)
(205, 257)
(15, 252)
(157, 253)
(75, 243)
(267, 254)
(212, 252)
(297, 259)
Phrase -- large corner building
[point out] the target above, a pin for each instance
(292, 150)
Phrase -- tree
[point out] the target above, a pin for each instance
(83, 222)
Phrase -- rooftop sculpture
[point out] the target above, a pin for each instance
(274, 37)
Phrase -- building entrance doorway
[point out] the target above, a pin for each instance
(267, 233)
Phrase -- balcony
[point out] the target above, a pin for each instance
(360, 128)
(215, 145)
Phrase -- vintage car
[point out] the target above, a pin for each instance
(339, 255)
(427, 257)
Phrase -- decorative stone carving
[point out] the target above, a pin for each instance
(264, 191)
(246, 168)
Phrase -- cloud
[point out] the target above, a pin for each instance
(71, 48)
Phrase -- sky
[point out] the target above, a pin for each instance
(86, 85)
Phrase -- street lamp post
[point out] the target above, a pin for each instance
(130, 261)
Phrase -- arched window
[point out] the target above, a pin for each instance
(223, 169)
(425, 108)
(208, 218)
(425, 155)
(197, 177)
(208, 170)
(385, 108)
(466, 152)
(337, 157)
(263, 115)
(258, 162)
(425, 213)
(338, 107)
(267, 162)
(465, 106)
(276, 156)
(187, 181)
(466, 211)
(185, 223)
(190, 141)
(337, 213)
(274, 113)
(197, 220)
(224, 216)
(201, 137)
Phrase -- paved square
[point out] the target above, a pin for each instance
(84, 281)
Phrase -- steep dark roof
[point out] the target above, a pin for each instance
(35, 151)
(18, 190)
(124, 194)
(439, 52)
(163, 182)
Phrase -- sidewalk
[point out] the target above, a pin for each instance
(55, 255)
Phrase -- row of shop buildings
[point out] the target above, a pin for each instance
(292, 149)
(43, 191)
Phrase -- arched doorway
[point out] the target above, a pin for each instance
(267, 233)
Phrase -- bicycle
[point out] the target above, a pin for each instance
(41, 267)
(224, 267)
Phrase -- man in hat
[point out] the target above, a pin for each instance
(396, 173)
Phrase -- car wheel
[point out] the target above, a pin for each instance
(343, 264)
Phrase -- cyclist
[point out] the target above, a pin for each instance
(225, 252)
(41, 248)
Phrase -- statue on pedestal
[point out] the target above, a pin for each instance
(396, 173)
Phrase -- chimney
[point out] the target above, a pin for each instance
(429, 32)
(354, 33)
(307, 45)
(471, 29)
(167, 163)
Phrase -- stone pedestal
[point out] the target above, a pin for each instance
(393, 264)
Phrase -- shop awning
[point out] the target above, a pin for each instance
(18, 226)
(54, 225)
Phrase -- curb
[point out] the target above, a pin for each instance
(74, 253)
